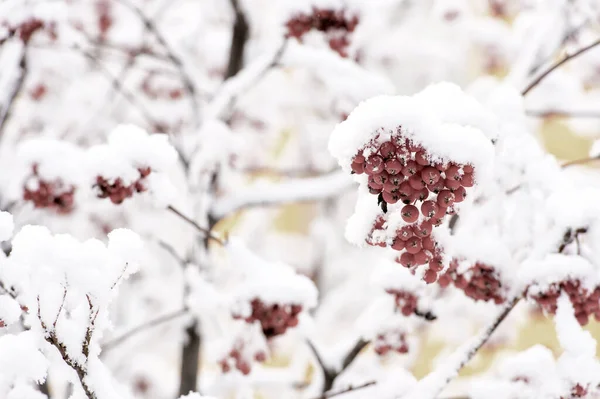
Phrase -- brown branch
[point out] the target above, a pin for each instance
(562, 113)
(5, 111)
(556, 65)
(351, 388)
(239, 38)
(582, 161)
(329, 374)
(209, 235)
(113, 343)
(185, 78)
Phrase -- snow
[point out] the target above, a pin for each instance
(271, 282)
(553, 268)
(424, 119)
(6, 225)
(10, 310)
(195, 395)
(21, 360)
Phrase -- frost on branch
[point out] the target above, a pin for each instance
(271, 294)
(419, 156)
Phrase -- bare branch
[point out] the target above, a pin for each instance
(200, 229)
(563, 113)
(6, 108)
(582, 161)
(239, 38)
(185, 78)
(556, 65)
(62, 304)
(113, 343)
(168, 248)
(289, 191)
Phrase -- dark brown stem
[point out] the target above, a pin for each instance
(239, 38)
(351, 388)
(18, 86)
(329, 374)
(554, 66)
(208, 234)
(190, 360)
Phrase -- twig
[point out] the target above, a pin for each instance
(206, 232)
(62, 304)
(351, 388)
(291, 190)
(554, 66)
(168, 248)
(239, 38)
(185, 78)
(582, 161)
(430, 386)
(563, 113)
(329, 374)
(142, 327)
(17, 87)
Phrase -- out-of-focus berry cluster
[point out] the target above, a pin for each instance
(479, 282)
(240, 358)
(117, 191)
(585, 302)
(274, 319)
(53, 195)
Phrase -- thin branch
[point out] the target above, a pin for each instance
(289, 191)
(556, 65)
(168, 248)
(351, 388)
(5, 111)
(356, 349)
(313, 348)
(200, 229)
(62, 304)
(185, 78)
(113, 343)
(239, 38)
(582, 161)
(563, 113)
(430, 386)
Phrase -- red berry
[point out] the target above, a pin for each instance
(421, 158)
(398, 244)
(413, 245)
(429, 208)
(467, 180)
(467, 169)
(445, 198)
(416, 182)
(393, 166)
(410, 213)
(410, 169)
(423, 229)
(387, 149)
(421, 257)
(430, 276)
(451, 184)
(374, 164)
(430, 175)
(436, 187)
(381, 178)
(390, 198)
(405, 191)
(358, 168)
(407, 259)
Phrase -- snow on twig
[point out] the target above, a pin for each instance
(291, 190)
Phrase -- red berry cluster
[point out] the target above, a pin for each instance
(49, 194)
(117, 191)
(334, 23)
(578, 391)
(480, 282)
(384, 344)
(585, 303)
(239, 360)
(406, 301)
(26, 29)
(274, 319)
(400, 170)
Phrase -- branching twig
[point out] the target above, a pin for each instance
(113, 343)
(329, 374)
(185, 78)
(206, 232)
(351, 388)
(554, 66)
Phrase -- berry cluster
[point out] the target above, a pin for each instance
(26, 29)
(401, 171)
(274, 319)
(49, 194)
(391, 341)
(480, 282)
(578, 391)
(406, 301)
(334, 23)
(585, 303)
(238, 356)
(117, 191)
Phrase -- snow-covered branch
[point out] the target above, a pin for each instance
(432, 384)
(291, 190)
